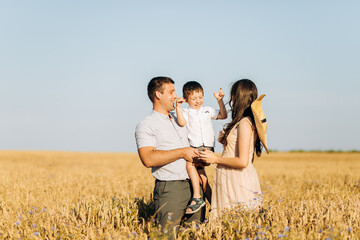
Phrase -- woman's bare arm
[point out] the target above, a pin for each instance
(241, 161)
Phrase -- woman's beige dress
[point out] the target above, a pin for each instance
(236, 187)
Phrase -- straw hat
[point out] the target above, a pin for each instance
(260, 120)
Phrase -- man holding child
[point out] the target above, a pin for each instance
(163, 146)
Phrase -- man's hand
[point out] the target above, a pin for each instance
(179, 101)
(190, 153)
(219, 95)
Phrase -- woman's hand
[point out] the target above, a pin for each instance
(208, 156)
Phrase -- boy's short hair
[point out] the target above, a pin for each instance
(156, 84)
(190, 87)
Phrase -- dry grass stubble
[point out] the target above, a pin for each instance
(52, 195)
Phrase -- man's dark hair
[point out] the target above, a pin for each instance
(190, 87)
(156, 84)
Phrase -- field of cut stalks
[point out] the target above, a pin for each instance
(61, 195)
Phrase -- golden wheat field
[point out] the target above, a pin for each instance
(62, 195)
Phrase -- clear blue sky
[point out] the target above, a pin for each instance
(73, 74)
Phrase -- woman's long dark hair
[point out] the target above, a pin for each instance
(243, 93)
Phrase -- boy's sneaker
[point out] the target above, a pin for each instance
(199, 203)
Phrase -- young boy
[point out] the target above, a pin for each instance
(197, 119)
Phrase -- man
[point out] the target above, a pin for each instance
(163, 145)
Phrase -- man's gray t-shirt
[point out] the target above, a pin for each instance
(156, 130)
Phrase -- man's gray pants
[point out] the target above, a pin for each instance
(171, 199)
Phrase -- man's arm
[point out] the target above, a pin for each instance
(156, 158)
(179, 114)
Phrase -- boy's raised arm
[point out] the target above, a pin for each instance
(219, 97)
(179, 114)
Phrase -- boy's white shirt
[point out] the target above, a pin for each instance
(199, 125)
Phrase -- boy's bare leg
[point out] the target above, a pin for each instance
(195, 181)
(205, 184)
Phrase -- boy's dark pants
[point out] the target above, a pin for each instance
(171, 199)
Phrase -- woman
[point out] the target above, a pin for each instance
(236, 182)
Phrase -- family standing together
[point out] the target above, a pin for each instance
(178, 145)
